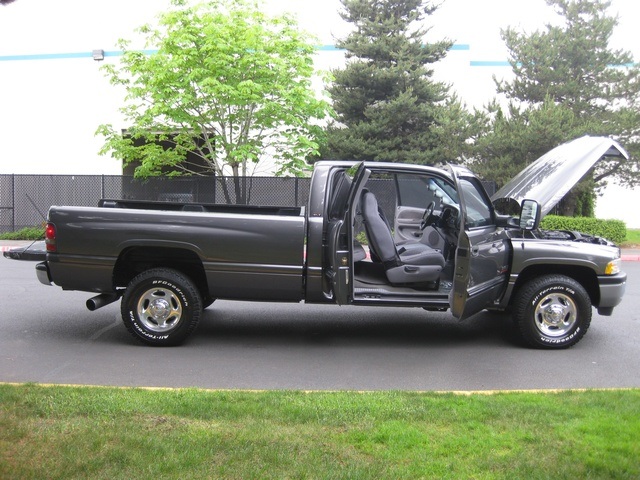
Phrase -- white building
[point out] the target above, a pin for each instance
(53, 95)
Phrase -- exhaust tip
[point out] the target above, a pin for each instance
(101, 300)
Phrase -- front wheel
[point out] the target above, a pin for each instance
(552, 311)
(161, 307)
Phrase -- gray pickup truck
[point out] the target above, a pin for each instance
(378, 234)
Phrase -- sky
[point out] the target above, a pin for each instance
(38, 26)
(38, 93)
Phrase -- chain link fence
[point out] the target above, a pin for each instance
(25, 199)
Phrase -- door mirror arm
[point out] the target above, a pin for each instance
(507, 221)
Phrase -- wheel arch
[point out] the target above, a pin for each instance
(583, 275)
(137, 259)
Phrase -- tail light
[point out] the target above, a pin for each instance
(50, 237)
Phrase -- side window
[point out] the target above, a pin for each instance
(478, 212)
(338, 194)
(419, 190)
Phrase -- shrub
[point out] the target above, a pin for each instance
(614, 230)
(27, 233)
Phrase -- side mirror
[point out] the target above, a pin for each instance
(529, 215)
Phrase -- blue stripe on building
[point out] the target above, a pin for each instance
(322, 48)
(118, 53)
(489, 63)
(59, 56)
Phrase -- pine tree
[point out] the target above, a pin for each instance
(572, 62)
(568, 82)
(388, 106)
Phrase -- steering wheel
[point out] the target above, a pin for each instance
(426, 217)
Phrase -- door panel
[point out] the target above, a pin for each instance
(482, 256)
(407, 224)
(340, 274)
(339, 253)
(482, 265)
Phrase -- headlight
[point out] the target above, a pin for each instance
(613, 267)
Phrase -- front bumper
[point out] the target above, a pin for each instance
(612, 288)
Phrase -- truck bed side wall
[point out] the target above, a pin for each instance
(244, 256)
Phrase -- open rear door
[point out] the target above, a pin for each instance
(482, 254)
(339, 253)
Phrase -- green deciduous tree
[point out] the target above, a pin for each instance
(388, 106)
(227, 83)
(567, 82)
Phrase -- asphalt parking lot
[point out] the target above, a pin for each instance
(48, 336)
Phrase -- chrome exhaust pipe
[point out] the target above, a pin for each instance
(101, 300)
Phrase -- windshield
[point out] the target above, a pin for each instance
(448, 193)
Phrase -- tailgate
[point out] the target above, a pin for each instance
(34, 252)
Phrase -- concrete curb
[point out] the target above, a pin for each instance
(630, 255)
(9, 244)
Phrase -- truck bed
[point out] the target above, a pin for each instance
(242, 252)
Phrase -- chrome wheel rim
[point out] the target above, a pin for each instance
(159, 310)
(555, 315)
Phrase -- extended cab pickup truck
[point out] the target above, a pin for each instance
(433, 238)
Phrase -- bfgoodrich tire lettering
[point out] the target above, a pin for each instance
(161, 307)
(552, 311)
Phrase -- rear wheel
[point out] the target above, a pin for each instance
(552, 311)
(161, 307)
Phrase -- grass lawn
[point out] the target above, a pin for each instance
(633, 238)
(73, 432)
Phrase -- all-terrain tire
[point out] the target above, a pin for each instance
(552, 311)
(161, 307)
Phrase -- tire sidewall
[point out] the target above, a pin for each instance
(181, 287)
(536, 290)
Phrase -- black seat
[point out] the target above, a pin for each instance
(411, 263)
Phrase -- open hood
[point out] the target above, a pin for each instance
(549, 178)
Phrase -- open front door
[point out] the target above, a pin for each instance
(482, 254)
(339, 248)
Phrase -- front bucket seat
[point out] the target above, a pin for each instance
(414, 263)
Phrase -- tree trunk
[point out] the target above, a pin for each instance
(579, 201)
(567, 207)
(225, 189)
(239, 185)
